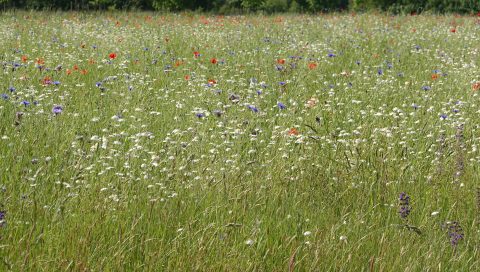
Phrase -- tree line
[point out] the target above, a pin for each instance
(242, 6)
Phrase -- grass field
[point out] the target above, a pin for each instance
(144, 142)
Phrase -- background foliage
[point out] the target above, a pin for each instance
(238, 6)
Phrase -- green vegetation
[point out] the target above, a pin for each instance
(181, 142)
(242, 6)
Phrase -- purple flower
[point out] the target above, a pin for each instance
(259, 92)
(443, 116)
(217, 113)
(282, 83)
(57, 109)
(2, 218)
(281, 106)
(5, 96)
(200, 114)
(11, 89)
(455, 232)
(25, 103)
(331, 55)
(252, 108)
(56, 83)
(380, 72)
(426, 88)
(98, 84)
(404, 205)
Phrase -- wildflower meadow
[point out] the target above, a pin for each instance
(142, 141)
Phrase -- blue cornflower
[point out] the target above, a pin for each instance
(12, 89)
(456, 110)
(200, 114)
(443, 116)
(380, 72)
(98, 84)
(25, 103)
(331, 55)
(5, 96)
(259, 92)
(56, 83)
(281, 106)
(400, 74)
(282, 83)
(252, 108)
(426, 88)
(357, 62)
(57, 109)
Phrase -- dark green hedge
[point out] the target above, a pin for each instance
(239, 6)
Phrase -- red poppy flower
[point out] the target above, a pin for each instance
(312, 65)
(40, 61)
(476, 86)
(453, 30)
(281, 61)
(75, 67)
(24, 58)
(68, 71)
(212, 81)
(434, 76)
(213, 61)
(113, 55)
(46, 81)
(187, 77)
(84, 72)
(293, 132)
(196, 54)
